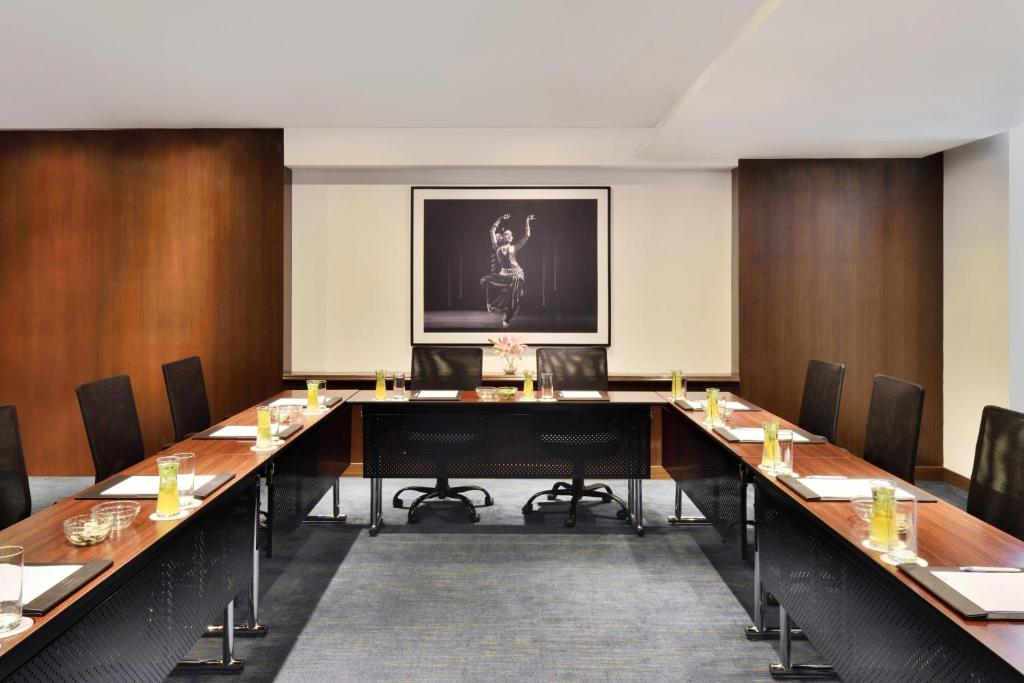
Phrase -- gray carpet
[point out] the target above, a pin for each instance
(512, 597)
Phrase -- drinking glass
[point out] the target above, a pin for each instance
(398, 386)
(883, 513)
(321, 393)
(186, 480)
(902, 540)
(724, 411)
(547, 386)
(678, 385)
(167, 503)
(12, 558)
(312, 395)
(527, 385)
(380, 392)
(264, 438)
(770, 450)
(784, 461)
(711, 407)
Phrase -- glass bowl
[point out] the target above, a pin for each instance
(122, 513)
(506, 393)
(862, 506)
(87, 530)
(486, 393)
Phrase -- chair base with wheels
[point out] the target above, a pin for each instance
(577, 490)
(442, 491)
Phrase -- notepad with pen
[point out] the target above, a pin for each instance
(983, 593)
(46, 585)
(243, 432)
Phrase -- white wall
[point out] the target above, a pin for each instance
(976, 292)
(1016, 253)
(671, 234)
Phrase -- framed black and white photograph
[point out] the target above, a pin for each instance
(530, 261)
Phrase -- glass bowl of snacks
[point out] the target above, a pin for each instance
(122, 513)
(87, 529)
(506, 393)
(862, 506)
(486, 393)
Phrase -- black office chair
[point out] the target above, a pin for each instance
(894, 424)
(111, 424)
(186, 393)
(441, 438)
(577, 439)
(823, 389)
(15, 497)
(996, 494)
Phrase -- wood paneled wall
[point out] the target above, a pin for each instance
(122, 250)
(841, 260)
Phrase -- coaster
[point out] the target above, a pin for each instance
(191, 506)
(23, 625)
(319, 411)
(867, 544)
(528, 400)
(182, 514)
(548, 400)
(897, 562)
(257, 449)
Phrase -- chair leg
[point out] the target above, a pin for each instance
(528, 508)
(488, 500)
(577, 492)
(397, 500)
(559, 486)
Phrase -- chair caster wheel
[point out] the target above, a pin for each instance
(397, 504)
(621, 514)
(413, 519)
(527, 509)
(488, 501)
(570, 521)
(474, 516)
(552, 496)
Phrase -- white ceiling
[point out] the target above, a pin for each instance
(707, 78)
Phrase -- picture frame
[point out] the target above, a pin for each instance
(527, 261)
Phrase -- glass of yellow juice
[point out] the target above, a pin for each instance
(167, 502)
(770, 449)
(882, 533)
(711, 407)
(678, 385)
(528, 385)
(264, 435)
(312, 395)
(380, 391)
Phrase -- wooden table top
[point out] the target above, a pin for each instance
(364, 396)
(42, 534)
(947, 536)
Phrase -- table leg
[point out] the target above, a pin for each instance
(635, 505)
(786, 669)
(338, 517)
(227, 662)
(376, 508)
(678, 519)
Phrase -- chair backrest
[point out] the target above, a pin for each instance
(823, 389)
(15, 497)
(996, 494)
(446, 367)
(111, 424)
(186, 393)
(894, 424)
(575, 367)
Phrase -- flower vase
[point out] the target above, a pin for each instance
(510, 368)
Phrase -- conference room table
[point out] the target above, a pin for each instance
(168, 580)
(869, 619)
(508, 443)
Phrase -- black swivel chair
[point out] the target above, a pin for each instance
(440, 438)
(577, 439)
(186, 392)
(823, 389)
(894, 424)
(15, 497)
(996, 494)
(111, 424)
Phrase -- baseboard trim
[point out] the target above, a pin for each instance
(958, 480)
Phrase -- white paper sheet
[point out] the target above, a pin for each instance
(236, 432)
(144, 485)
(437, 393)
(756, 435)
(846, 489)
(698, 404)
(38, 580)
(290, 402)
(991, 591)
(581, 394)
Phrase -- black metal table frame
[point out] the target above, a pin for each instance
(380, 418)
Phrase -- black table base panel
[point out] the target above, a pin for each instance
(709, 475)
(863, 620)
(506, 445)
(140, 630)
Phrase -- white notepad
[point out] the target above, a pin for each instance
(144, 485)
(580, 395)
(437, 393)
(699, 404)
(290, 402)
(756, 435)
(236, 432)
(991, 591)
(38, 580)
(846, 489)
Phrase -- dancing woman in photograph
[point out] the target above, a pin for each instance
(506, 283)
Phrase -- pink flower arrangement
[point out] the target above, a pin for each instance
(509, 348)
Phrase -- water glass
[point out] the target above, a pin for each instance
(321, 394)
(12, 563)
(398, 386)
(186, 479)
(711, 407)
(724, 411)
(784, 457)
(547, 386)
(167, 502)
(902, 539)
(264, 437)
(678, 385)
